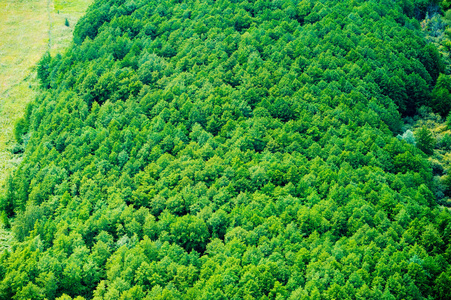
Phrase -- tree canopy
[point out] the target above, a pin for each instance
(230, 150)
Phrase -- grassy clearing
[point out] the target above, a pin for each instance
(28, 28)
(72, 10)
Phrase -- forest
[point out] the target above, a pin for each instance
(241, 149)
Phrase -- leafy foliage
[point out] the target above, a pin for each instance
(425, 140)
(230, 150)
(441, 97)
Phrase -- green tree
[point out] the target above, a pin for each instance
(43, 70)
(425, 140)
(441, 97)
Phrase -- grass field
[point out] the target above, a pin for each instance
(28, 28)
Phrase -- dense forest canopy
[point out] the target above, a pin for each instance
(230, 150)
